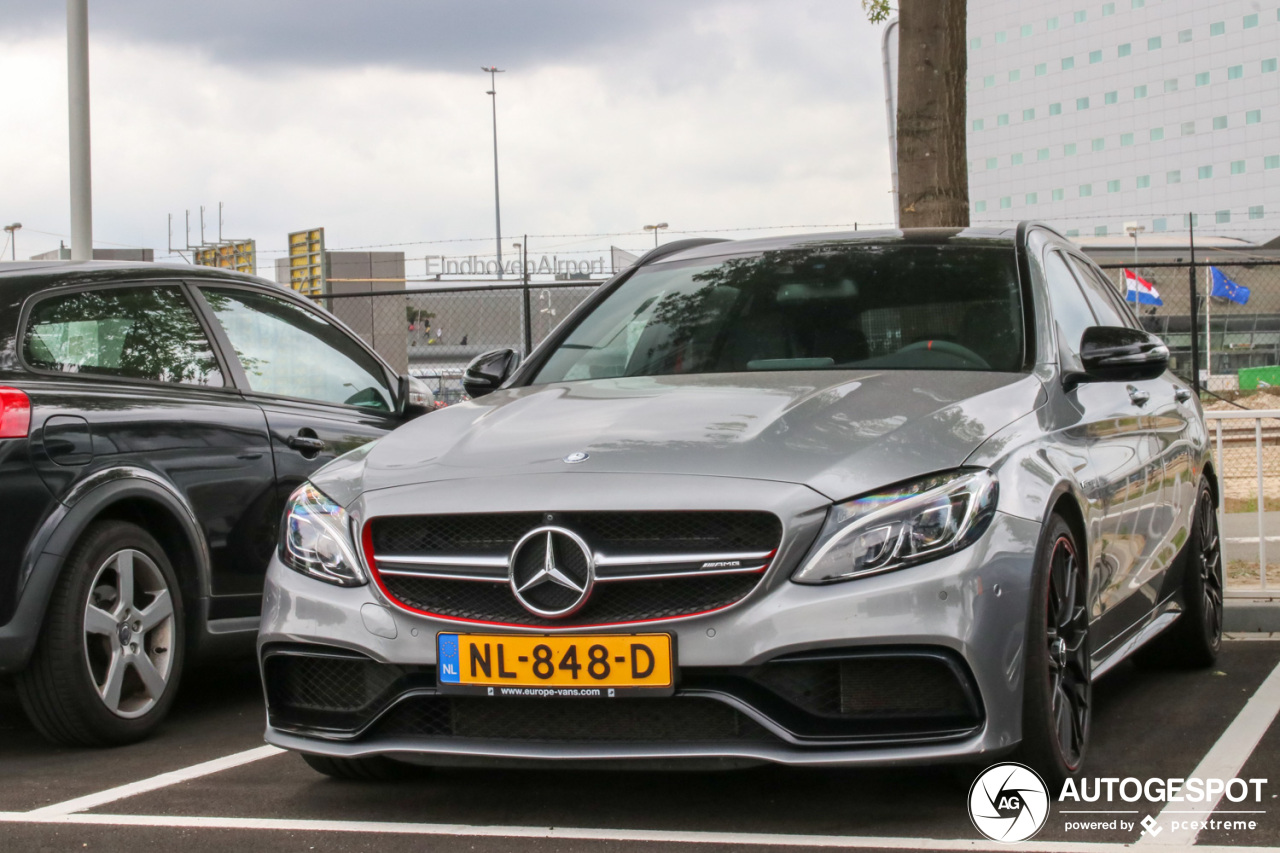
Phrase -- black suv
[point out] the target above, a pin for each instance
(153, 419)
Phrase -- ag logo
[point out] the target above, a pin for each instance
(1008, 802)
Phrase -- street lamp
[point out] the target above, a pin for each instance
(1133, 229)
(493, 71)
(12, 231)
(655, 229)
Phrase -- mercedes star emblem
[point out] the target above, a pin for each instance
(579, 456)
(552, 571)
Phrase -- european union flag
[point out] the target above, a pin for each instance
(1225, 288)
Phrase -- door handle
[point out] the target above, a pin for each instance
(307, 444)
(1139, 398)
(1182, 395)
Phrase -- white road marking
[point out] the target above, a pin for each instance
(164, 780)
(584, 834)
(1225, 759)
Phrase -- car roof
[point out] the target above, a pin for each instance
(42, 274)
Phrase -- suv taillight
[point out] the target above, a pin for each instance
(15, 413)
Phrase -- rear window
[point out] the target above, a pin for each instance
(145, 333)
(823, 307)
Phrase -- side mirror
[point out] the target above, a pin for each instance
(415, 398)
(1119, 354)
(489, 370)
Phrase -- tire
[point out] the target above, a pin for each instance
(1057, 692)
(373, 768)
(1194, 640)
(108, 660)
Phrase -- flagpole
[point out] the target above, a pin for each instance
(1195, 298)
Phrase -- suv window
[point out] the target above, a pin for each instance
(131, 332)
(1101, 295)
(1071, 311)
(289, 351)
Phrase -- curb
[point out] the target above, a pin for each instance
(1250, 616)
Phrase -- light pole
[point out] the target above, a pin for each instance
(493, 71)
(12, 231)
(78, 120)
(655, 229)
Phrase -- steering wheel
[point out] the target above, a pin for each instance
(961, 352)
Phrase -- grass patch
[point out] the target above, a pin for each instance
(1250, 505)
(1244, 573)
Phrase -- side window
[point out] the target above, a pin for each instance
(1101, 295)
(292, 352)
(146, 333)
(1070, 310)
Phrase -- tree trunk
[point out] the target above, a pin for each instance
(933, 173)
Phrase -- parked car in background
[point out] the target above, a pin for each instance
(850, 499)
(153, 419)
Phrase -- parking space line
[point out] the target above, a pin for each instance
(1225, 759)
(164, 780)
(585, 834)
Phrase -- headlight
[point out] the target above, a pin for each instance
(903, 526)
(317, 539)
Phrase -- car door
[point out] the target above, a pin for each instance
(1112, 431)
(136, 385)
(323, 392)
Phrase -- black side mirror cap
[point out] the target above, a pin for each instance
(1119, 354)
(489, 370)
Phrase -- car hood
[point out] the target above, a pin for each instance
(839, 433)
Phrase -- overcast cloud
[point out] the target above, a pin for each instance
(371, 119)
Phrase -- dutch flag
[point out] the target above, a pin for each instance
(1140, 290)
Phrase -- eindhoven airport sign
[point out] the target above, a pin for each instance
(546, 265)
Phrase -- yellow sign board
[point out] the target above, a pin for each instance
(238, 255)
(306, 262)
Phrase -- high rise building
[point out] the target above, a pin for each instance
(1092, 114)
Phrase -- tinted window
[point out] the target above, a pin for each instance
(834, 306)
(289, 351)
(1100, 294)
(1070, 310)
(131, 332)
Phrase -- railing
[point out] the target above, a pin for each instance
(1234, 443)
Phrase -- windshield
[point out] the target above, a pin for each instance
(828, 307)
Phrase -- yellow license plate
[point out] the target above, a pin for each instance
(600, 665)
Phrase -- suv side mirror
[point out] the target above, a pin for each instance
(1119, 354)
(489, 370)
(415, 398)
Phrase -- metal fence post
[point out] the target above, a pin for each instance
(1195, 308)
(528, 313)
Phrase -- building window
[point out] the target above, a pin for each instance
(1124, 50)
(975, 43)
(1250, 21)
(1268, 65)
(1153, 43)
(1143, 182)
(991, 163)
(1082, 103)
(1110, 97)
(1100, 231)
(1218, 28)
(1253, 117)
(1005, 202)
(1237, 167)
(979, 207)
(1139, 92)
(1174, 177)
(1184, 36)
(1055, 109)
(1015, 159)
(1058, 194)
(1095, 56)
(1271, 161)
(1031, 198)
(1051, 24)
(1171, 85)
(1108, 9)
(1043, 69)
(1222, 217)
(1068, 62)
(1086, 190)
(988, 81)
(1256, 212)
(1028, 115)
(1079, 17)
(977, 124)
(1159, 225)
(1188, 128)
(1025, 31)
(1190, 219)
(1219, 122)
(1137, 4)
(1113, 186)
(1069, 150)
(1157, 133)
(1073, 232)
(1015, 75)
(1126, 139)
(1002, 120)
(1000, 37)
(1099, 144)
(1202, 79)
(1204, 173)
(1235, 72)
(1042, 154)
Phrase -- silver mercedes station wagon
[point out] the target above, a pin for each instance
(843, 499)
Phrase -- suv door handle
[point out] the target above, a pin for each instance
(307, 444)
(1182, 395)
(1139, 398)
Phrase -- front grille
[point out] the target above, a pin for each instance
(333, 689)
(487, 535)
(654, 720)
(871, 686)
(633, 601)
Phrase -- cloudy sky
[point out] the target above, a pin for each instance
(371, 119)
